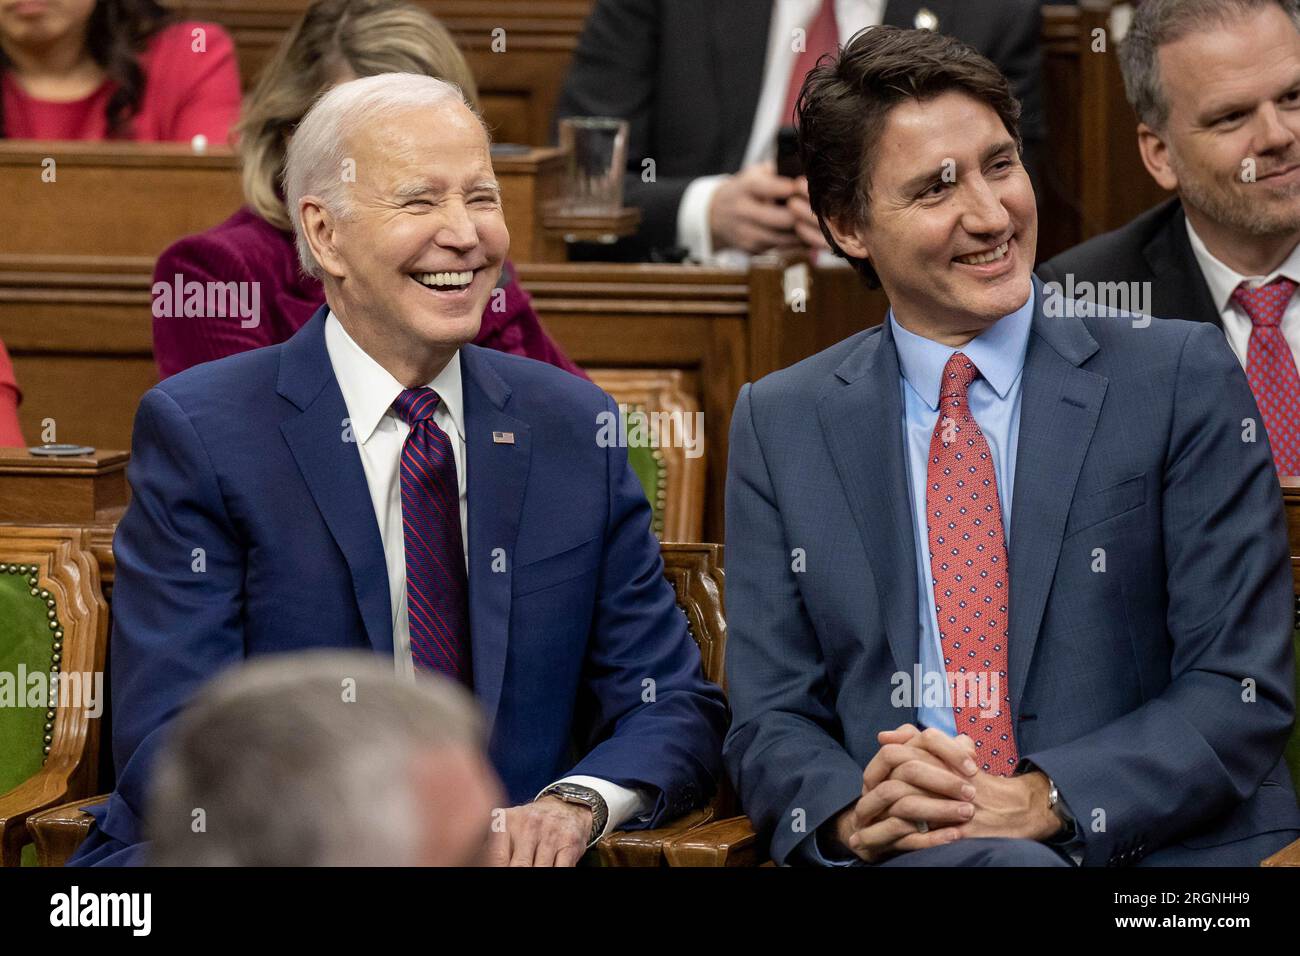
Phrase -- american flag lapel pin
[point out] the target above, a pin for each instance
(503, 438)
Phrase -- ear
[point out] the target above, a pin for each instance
(1155, 156)
(849, 237)
(320, 228)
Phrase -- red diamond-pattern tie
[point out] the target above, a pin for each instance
(968, 568)
(437, 589)
(1271, 371)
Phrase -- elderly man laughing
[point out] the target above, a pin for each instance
(378, 482)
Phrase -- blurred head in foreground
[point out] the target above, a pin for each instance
(323, 759)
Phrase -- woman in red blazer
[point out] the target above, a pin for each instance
(113, 69)
(335, 41)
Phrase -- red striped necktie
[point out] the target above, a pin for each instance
(437, 588)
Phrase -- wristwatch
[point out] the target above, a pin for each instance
(1054, 804)
(577, 793)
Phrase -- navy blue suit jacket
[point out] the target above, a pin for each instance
(1158, 693)
(251, 460)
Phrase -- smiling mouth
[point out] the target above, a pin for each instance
(445, 281)
(1280, 172)
(984, 258)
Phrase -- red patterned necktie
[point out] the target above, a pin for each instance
(822, 37)
(968, 568)
(1271, 371)
(437, 588)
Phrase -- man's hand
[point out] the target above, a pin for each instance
(746, 211)
(924, 784)
(805, 220)
(546, 832)
(1013, 807)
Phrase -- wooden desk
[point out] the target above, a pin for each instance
(114, 201)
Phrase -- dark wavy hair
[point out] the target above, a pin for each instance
(845, 103)
(116, 35)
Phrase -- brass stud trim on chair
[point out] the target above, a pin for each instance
(30, 571)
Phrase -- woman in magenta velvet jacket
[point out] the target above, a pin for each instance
(335, 41)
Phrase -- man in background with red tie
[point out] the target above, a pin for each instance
(378, 482)
(1003, 587)
(706, 86)
(1216, 88)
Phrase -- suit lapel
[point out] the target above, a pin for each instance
(861, 415)
(1182, 288)
(1059, 406)
(321, 443)
(496, 476)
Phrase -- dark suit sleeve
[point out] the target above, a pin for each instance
(614, 73)
(1207, 741)
(657, 722)
(176, 611)
(783, 751)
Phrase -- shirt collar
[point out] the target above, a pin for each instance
(1223, 280)
(369, 389)
(998, 352)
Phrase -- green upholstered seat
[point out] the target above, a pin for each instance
(27, 649)
(648, 464)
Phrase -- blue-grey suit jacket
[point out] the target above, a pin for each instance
(250, 459)
(1158, 694)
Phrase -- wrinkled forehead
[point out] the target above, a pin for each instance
(445, 143)
(1235, 65)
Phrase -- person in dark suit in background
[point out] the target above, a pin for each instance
(377, 482)
(706, 86)
(1021, 568)
(1216, 87)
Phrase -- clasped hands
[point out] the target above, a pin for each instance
(924, 789)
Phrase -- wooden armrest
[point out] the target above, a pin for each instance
(1287, 856)
(645, 847)
(44, 789)
(729, 842)
(58, 832)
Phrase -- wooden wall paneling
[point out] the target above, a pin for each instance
(1096, 181)
(81, 343)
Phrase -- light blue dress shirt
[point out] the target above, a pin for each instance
(994, 397)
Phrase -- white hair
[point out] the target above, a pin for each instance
(317, 161)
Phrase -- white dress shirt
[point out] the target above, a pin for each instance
(1223, 280)
(693, 231)
(369, 391)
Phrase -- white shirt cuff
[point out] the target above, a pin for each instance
(693, 230)
(623, 803)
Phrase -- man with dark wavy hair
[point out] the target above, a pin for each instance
(1003, 587)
